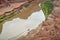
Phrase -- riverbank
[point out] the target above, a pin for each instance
(25, 13)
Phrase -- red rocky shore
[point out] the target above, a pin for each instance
(9, 6)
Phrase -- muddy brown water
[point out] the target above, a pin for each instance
(24, 13)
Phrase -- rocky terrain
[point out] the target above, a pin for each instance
(4, 3)
(49, 29)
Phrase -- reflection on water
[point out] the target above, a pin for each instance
(19, 26)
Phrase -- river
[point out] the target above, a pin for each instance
(28, 19)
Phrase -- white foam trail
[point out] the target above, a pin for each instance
(18, 26)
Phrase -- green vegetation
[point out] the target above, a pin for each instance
(6, 17)
(27, 5)
(47, 7)
(11, 15)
